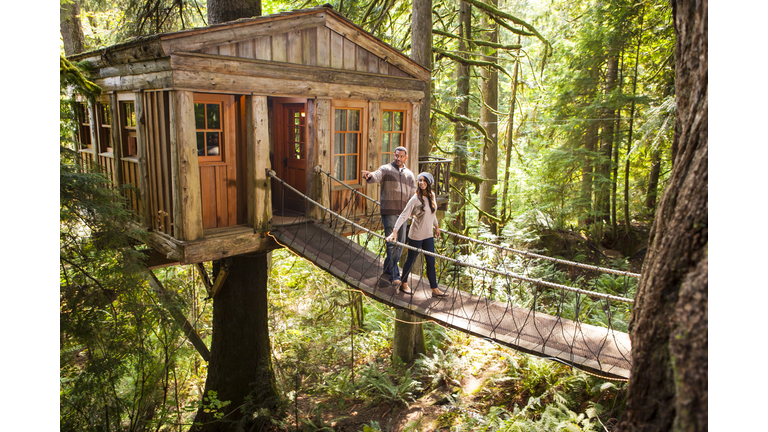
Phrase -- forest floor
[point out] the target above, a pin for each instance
(424, 414)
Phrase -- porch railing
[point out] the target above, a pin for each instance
(440, 168)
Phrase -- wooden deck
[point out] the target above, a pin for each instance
(595, 349)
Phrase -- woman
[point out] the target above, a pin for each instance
(421, 207)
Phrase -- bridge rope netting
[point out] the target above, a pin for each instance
(567, 311)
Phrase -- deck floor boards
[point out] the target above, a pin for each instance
(596, 349)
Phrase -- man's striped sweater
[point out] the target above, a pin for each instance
(397, 187)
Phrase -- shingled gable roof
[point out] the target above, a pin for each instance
(222, 38)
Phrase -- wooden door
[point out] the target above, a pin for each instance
(291, 152)
(217, 155)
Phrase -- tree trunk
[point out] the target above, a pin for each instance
(587, 172)
(460, 134)
(603, 174)
(71, 28)
(421, 53)
(668, 387)
(408, 341)
(510, 142)
(240, 370)
(409, 338)
(220, 11)
(489, 87)
(653, 181)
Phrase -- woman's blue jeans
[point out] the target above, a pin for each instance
(428, 245)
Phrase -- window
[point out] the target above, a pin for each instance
(83, 124)
(392, 134)
(105, 127)
(128, 118)
(294, 134)
(347, 137)
(210, 131)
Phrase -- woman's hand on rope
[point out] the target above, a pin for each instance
(437, 231)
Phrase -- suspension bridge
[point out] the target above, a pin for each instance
(565, 323)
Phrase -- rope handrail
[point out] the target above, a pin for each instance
(272, 174)
(504, 248)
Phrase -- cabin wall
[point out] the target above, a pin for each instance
(155, 125)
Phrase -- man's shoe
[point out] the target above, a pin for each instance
(396, 282)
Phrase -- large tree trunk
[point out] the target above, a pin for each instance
(460, 133)
(421, 53)
(220, 11)
(489, 166)
(71, 28)
(668, 387)
(408, 340)
(240, 363)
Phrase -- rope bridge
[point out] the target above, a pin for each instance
(494, 292)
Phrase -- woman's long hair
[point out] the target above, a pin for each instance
(427, 192)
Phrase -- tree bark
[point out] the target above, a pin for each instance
(220, 11)
(653, 181)
(240, 370)
(71, 28)
(489, 87)
(421, 53)
(668, 387)
(460, 134)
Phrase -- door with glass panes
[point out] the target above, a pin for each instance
(291, 152)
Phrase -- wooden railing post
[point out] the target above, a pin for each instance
(141, 154)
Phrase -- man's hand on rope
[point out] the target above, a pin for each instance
(391, 237)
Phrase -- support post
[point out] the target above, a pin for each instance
(141, 153)
(185, 172)
(257, 181)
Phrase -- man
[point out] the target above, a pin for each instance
(397, 187)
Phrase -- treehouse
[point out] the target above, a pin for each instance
(194, 121)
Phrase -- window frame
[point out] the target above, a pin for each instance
(407, 110)
(126, 130)
(105, 128)
(223, 101)
(362, 137)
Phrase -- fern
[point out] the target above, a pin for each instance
(381, 388)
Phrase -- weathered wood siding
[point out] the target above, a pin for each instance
(158, 153)
(131, 178)
(318, 46)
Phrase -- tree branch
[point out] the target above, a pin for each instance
(460, 118)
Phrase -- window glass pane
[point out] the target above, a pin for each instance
(106, 114)
(297, 150)
(386, 122)
(213, 116)
(385, 146)
(130, 114)
(338, 145)
(341, 120)
(338, 167)
(384, 159)
(351, 143)
(398, 121)
(396, 141)
(351, 167)
(354, 120)
(201, 143)
(199, 116)
(212, 143)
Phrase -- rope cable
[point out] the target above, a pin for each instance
(455, 261)
(506, 249)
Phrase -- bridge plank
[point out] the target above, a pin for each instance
(598, 350)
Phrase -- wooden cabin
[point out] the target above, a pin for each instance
(194, 119)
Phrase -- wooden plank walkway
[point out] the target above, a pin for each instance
(595, 349)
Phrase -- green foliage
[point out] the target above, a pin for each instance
(388, 386)
(442, 367)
